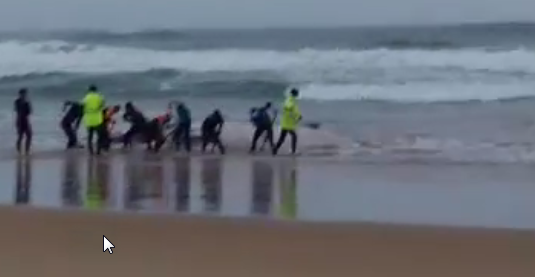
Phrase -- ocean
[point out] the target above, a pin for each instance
(463, 93)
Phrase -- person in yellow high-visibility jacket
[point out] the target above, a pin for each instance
(289, 121)
(93, 117)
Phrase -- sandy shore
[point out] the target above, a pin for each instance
(251, 193)
(59, 243)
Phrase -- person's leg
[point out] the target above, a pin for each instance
(159, 139)
(150, 135)
(219, 143)
(90, 134)
(129, 135)
(282, 138)
(102, 138)
(256, 135)
(187, 137)
(20, 134)
(71, 137)
(178, 133)
(293, 135)
(66, 128)
(269, 138)
(29, 137)
(205, 140)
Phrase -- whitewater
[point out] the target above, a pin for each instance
(337, 74)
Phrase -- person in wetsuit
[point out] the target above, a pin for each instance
(211, 129)
(23, 111)
(182, 132)
(107, 126)
(263, 124)
(290, 118)
(137, 121)
(71, 122)
(93, 118)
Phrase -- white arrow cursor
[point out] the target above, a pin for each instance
(108, 245)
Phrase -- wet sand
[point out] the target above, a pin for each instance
(211, 216)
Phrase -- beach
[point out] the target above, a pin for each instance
(262, 216)
(433, 173)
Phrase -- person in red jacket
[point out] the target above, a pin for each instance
(108, 124)
(155, 131)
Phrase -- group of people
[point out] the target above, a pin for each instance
(264, 121)
(175, 124)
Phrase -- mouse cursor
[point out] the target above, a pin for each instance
(108, 245)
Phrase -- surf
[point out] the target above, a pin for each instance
(335, 74)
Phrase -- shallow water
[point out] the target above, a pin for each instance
(301, 189)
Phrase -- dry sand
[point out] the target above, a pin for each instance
(57, 243)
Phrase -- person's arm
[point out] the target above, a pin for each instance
(220, 125)
(297, 112)
(102, 103)
(77, 122)
(126, 116)
(275, 114)
(30, 108)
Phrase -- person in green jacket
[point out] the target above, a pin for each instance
(290, 118)
(93, 117)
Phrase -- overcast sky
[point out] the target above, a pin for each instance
(140, 14)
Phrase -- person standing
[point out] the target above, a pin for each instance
(290, 118)
(182, 132)
(23, 111)
(93, 117)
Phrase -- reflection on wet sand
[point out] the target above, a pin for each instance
(145, 184)
(262, 187)
(211, 176)
(71, 183)
(24, 180)
(98, 175)
(288, 189)
(182, 169)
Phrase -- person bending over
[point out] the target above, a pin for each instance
(263, 124)
(70, 122)
(211, 129)
(23, 111)
(138, 123)
(291, 116)
(155, 131)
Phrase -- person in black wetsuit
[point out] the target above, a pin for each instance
(138, 124)
(182, 132)
(211, 129)
(263, 123)
(71, 121)
(23, 110)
